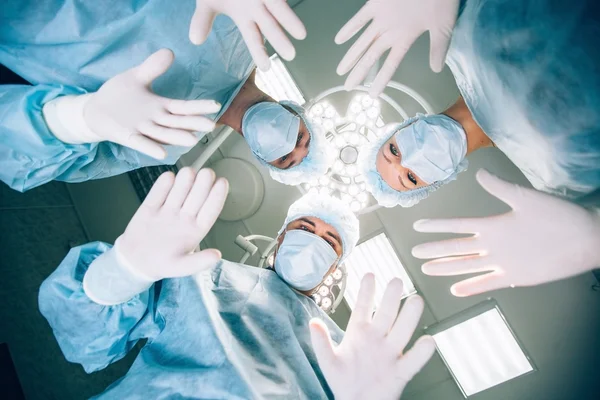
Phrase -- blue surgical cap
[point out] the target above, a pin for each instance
(381, 191)
(316, 163)
(270, 130)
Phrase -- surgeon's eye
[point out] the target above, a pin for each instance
(300, 136)
(330, 243)
(394, 150)
(284, 158)
(412, 178)
(305, 228)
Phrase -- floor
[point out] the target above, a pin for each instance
(36, 231)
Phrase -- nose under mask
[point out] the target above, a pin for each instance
(432, 147)
(303, 259)
(270, 130)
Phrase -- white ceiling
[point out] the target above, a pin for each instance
(557, 323)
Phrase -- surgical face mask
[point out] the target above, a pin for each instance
(432, 147)
(270, 130)
(303, 259)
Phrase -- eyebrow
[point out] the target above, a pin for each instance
(308, 221)
(384, 156)
(336, 237)
(307, 142)
(290, 165)
(402, 182)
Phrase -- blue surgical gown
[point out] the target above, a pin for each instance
(66, 47)
(529, 71)
(232, 332)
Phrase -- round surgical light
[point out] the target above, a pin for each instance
(349, 155)
(317, 109)
(326, 303)
(367, 101)
(323, 291)
(329, 281)
(337, 274)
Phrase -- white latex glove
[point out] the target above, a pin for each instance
(542, 239)
(160, 240)
(253, 18)
(395, 25)
(370, 363)
(126, 111)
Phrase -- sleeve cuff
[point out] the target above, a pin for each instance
(110, 279)
(64, 118)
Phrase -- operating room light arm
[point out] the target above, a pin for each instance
(371, 361)
(543, 239)
(254, 18)
(394, 25)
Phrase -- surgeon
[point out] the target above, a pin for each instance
(220, 330)
(527, 72)
(116, 88)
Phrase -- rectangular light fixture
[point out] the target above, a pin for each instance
(481, 352)
(278, 83)
(375, 255)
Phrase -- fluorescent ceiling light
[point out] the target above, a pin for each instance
(375, 255)
(482, 352)
(278, 83)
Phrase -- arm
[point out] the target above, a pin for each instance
(101, 301)
(54, 132)
(31, 155)
(88, 333)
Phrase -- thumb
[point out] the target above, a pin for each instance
(416, 358)
(323, 346)
(201, 24)
(193, 263)
(510, 193)
(440, 42)
(154, 66)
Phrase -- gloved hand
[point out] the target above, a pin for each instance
(126, 111)
(542, 239)
(370, 363)
(160, 240)
(175, 216)
(395, 25)
(253, 18)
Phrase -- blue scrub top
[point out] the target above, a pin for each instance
(528, 71)
(68, 47)
(231, 332)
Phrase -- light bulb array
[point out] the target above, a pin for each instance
(343, 179)
(325, 115)
(364, 111)
(324, 295)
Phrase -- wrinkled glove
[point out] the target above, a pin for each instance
(395, 25)
(370, 362)
(253, 18)
(126, 111)
(160, 239)
(543, 239)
